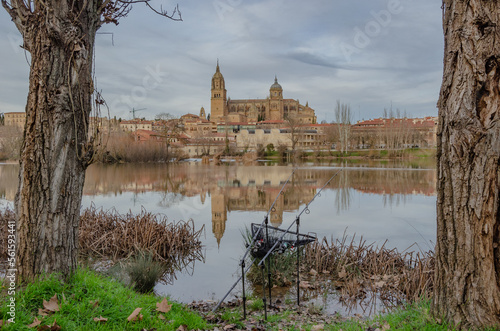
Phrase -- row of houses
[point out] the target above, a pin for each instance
(206, 139)
(195, 136)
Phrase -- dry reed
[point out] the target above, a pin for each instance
(112, 235)
(358, 268)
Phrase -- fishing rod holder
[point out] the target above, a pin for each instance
(275, 240)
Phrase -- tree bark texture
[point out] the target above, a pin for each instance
(467, 284)
(55, 153)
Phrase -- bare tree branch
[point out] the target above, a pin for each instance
(165, 13)
(18, 11)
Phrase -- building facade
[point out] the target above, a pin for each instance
(134, 125)
(17, 119)
(273, 108)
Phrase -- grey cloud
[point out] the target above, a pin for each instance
(257, 39)
(314, 59)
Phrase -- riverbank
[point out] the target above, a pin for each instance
(130, 152)
(89, 301)
(92, 301)
(381, 154)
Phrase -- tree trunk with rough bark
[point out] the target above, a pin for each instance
(467, 283)
(55, 150)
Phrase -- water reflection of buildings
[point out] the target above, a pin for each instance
(8, 181)
(242, 188)
(257, 198)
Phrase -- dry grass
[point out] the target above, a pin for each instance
(359, 269)
(109, 234)
(113, 235)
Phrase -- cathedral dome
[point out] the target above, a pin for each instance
(276, 86)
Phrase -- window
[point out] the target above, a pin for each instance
(267, 131)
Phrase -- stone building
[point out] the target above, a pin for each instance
(274, 107)
(17, 119)
(134, 125)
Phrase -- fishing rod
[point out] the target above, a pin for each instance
(296, 221)
(250, 246)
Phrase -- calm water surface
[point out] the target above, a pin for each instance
(379, 201)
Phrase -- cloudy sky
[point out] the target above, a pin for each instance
(367, 53)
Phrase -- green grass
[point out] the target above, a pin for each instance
(255, 303)
(76, 297)
(116, 302)
(412, 317)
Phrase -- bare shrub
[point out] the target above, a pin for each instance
(109, 234)
(122, 147)
(11, 140)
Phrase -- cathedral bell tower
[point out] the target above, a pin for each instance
(276, 101)
(218, 105)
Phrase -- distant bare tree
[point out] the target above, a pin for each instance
(294, 129)
(331, 134)
(398, 132)
(171, 130)
(11, 139)
(343, 117)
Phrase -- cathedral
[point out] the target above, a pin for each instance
(273, 108)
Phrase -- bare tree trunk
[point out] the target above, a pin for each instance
(467, 284)
(55, 151)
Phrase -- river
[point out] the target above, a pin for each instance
(393, 201)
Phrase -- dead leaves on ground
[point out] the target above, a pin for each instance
(52, 306)
(100, 319)
(37, 322)
(163, 306)
(135, 316)
(94, 303)
(49, 307)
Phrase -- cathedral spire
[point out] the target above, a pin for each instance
(217, 69)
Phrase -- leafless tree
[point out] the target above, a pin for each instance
(11, 139)
(331, 134)
(467, 288)
(294, 129)
(171, 130)
(60, 37)
(343, 117)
